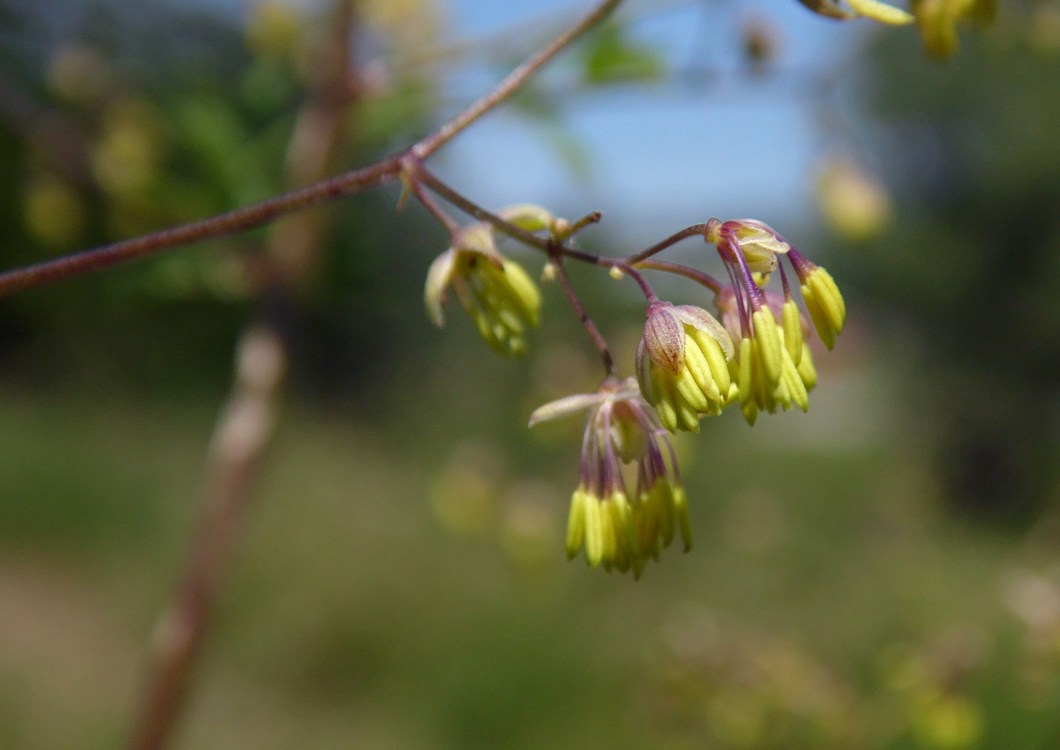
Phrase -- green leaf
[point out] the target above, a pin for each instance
(611, 56)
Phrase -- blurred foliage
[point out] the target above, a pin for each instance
(971, 267)
(610, 56)
(168, 114)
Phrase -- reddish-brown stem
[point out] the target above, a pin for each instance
(237, 220)
(583, 316)
(419, 174)
(432, 206)
(688, 272)
(638, 277)
(243, 430)
(673, 239)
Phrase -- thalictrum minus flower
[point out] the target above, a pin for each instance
(613, 527)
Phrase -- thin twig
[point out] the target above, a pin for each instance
(583, 315)
(673, 239)
(243, 431)
(237, 220)
(432, 207)
(419, 174)
(638, 277)
(688, 272)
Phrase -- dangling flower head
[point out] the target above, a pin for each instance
(617, 529)
(772, 367)
(682, 364)
(499, 296)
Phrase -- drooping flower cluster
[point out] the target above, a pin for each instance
(615, 528)
(498, 295)
(773, 368)
(687, 364)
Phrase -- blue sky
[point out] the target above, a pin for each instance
(661, 155)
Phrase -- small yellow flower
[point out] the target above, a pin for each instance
(773, 368)
(612, 527)
(823, 301)
(498, 295)
(682, 365)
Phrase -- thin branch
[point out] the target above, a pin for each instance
(327, 190)
(583, 316)
(237, 220)
(638, 277)
(243, 431)
(247, 423)
(432, 207)
(418, 173)
(705, 279)
(673, 239)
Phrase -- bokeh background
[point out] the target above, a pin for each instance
(881, 572)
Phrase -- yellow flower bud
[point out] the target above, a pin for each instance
(682, 364)
(825, 304)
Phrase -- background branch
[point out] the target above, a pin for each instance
(246, 424)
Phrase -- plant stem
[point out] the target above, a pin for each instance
(247, 422)
(243, 431)
(583, 316)
(673, 239)
(237, 220)
(419, 174)
(688, 272)
(432, 206)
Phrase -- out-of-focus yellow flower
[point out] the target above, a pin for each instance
(682, 364)
(274, 28)
(614, 528)
(126, 158)
(498, 295)
(79, 74)
(55, 213)
(938, 21)
(854, 203)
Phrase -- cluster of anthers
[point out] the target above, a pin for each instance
(689, 364)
